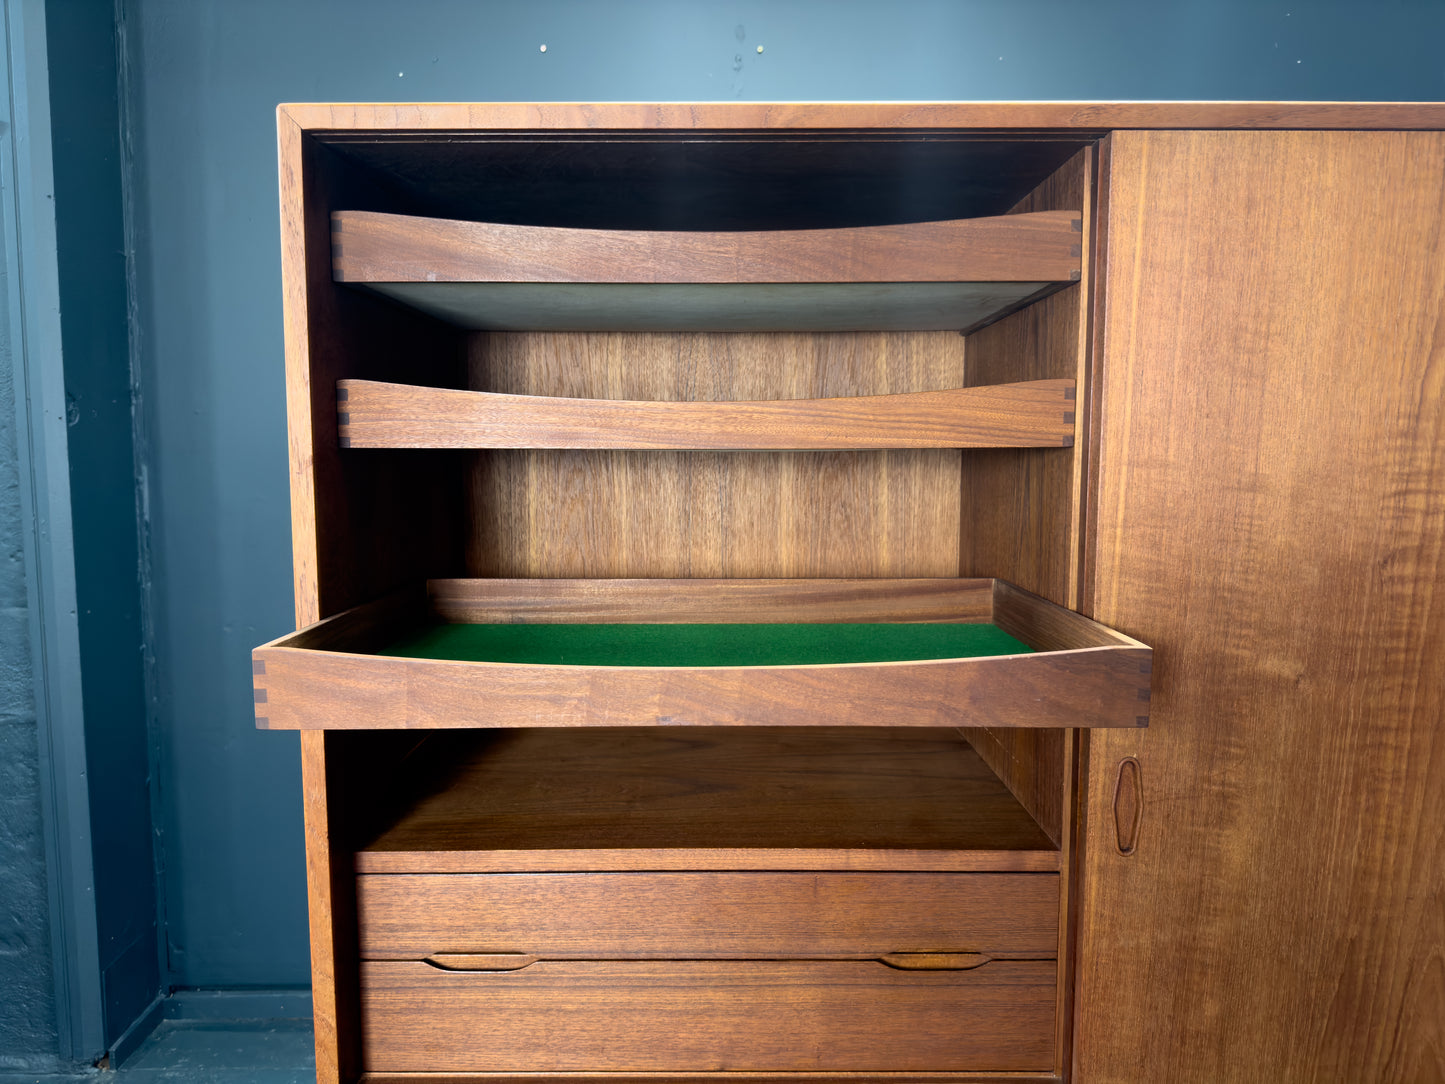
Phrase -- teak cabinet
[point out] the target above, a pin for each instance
(870, 591)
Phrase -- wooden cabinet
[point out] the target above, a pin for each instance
(694, 673)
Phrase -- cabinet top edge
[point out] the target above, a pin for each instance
(1075, 118)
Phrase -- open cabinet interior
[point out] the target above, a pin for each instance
(460, 436)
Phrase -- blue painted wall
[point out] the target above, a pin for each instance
(206, 75)
(91, 265)
(28, 1036)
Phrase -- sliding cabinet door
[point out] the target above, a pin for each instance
(1263, 889)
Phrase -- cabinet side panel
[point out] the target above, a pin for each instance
(1020, 507)
(700, 514)
(1271, 520)
(336, 1025)
(361, 524)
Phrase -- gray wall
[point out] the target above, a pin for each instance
(207, 76)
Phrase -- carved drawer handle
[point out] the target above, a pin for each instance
(506, 962)
(481, 961)
(1128, 805)
(935, 961)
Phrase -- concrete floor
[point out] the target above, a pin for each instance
(203, 1051)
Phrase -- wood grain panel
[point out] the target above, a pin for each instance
(1032, 414)
(1021, 513)
(301, 689)
(720, 601)
(680, 1014)
(330, 905)
(733, 794)
(983, 859)
(358, 529)
(1079, 673)
(1023, 516)
(463, 118)
(371, 247)
(1272, 519)
(712, 1078)
(714, 514)
(736, 915)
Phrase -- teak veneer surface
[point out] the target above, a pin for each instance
(709, 514)
(1035, 414)
(907, 276)
(691, 1014)
(602, 799)
(1022, 514)
(1079, 673)
(713, 600)
(714, 1078)
(1271, 517)
(1354, 997)
(899, 918)
(464, 118)
(381, 248)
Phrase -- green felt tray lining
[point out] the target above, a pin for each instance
(705, 645)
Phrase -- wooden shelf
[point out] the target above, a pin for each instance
(916, 276)
(1033, 414)
(643, 798)
(345, 673)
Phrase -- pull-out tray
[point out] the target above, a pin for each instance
(538, 653)
(919, 276)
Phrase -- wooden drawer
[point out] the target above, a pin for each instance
(708, 915)
(676, 1015)
(745, 971)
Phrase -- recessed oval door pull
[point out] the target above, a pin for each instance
(481, 961)
(935, 961)
(1128, 805)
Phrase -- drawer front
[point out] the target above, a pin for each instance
(718, 915)
(700, 1015)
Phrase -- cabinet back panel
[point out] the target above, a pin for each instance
(658, 514)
